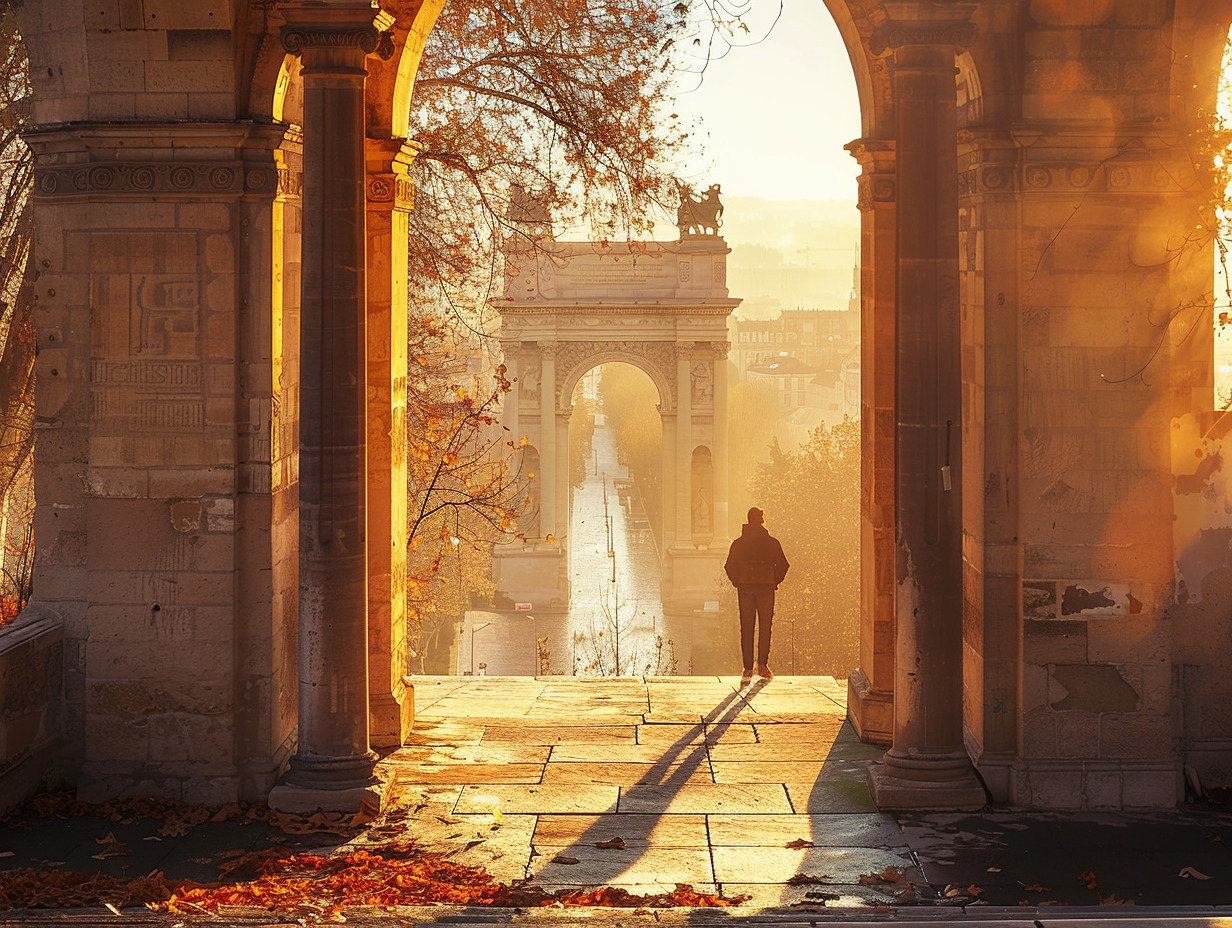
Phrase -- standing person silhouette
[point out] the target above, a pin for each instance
(756, 566)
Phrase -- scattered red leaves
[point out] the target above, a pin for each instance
(402, 876)
(801, 878)
(392, 873)
(888, 875)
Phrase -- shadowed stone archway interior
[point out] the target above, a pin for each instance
(220, 203)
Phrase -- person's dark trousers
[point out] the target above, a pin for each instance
(756, 604)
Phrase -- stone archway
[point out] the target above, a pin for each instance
(663, 308)
(169, 198)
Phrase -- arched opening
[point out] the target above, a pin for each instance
(615, 624)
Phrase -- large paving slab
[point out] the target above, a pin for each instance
(591, 866)
(471, 753)
(470, 773)
(675, 775)
(838, 796)
(598, 751)
(510, 798)
(804, 772)
(558, 734)
(825, 864)
(717, 797)
(859, 829)
(633, 830)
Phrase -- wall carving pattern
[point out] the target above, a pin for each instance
(658, 356)
(189, 179)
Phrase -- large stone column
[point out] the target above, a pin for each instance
(722, 519)
(684, 444)
(333, 763)
(927, 766)
(391, 706)
(547, 441)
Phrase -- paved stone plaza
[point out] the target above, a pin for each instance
(701, 782)
(759, 792)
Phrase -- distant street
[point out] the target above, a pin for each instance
(627, 611)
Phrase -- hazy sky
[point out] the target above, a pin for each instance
(777, 114)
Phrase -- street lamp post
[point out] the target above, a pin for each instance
(475, 628)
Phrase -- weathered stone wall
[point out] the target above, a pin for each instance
(1078, 359)
(1095, 540)
(165, 469)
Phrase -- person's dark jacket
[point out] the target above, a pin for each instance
(756, 559)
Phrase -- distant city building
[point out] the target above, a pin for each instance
(820, 338)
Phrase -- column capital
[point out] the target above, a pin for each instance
(547, 349)
(720, 350)
(684, 351)
(345, 26)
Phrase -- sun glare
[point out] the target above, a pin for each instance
(1223, 254)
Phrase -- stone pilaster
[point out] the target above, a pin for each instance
(549, 509)
(684, 444)
(989, 260)
(927, 766)
(510, 413)
(389, 195)
(722, 526)
(333, 763)
(870, 696)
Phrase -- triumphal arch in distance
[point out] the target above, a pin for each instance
(221, 196)
(662, 307)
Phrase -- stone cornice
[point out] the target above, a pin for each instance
(669, 309)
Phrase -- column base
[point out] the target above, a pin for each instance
(370, 798)
(871, 711)
(944, 782)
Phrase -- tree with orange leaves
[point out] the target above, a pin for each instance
(562, 109)
(466, 486)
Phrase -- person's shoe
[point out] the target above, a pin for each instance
(746, 676)
(765, 672)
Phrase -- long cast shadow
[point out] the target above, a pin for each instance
(679, 761)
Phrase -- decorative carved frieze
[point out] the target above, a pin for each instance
(390, 191)
(892, 35)
(190, 179)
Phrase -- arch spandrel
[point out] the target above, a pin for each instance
(856, 20)
(391, 83)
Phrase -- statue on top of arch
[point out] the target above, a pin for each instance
(699, 215)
